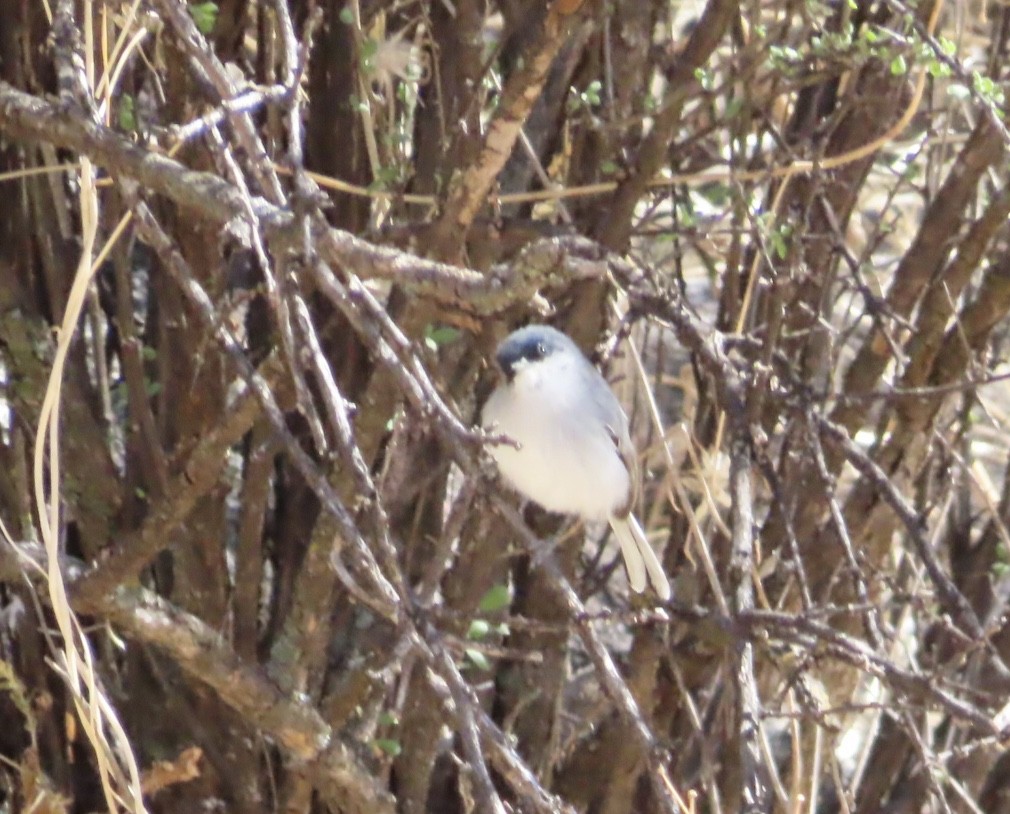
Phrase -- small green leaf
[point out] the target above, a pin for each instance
(369, 48)
(937, 69)
(388, 745)
(479, 628)
(685, 218)
(204, 15)
(388, 718)
(716, 193)
(733, 107)
(495, 599)
(127, 113)
(778, 53)
(346, 16)
(393, 419)
(898, 66)
(478, 659)
(778, 244)
(435, 336)
(987, 87)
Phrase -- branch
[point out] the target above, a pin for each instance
(202, 652)
(614, 225)
(30, 119)
(206, 65)
(816, 636)
(952, 600)
(755, 794)
(194, 480)
(610, 678)
(919, 264)
(472, 184)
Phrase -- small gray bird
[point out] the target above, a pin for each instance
(575, 454)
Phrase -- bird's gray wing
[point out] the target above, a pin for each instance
(607, 410)
(629, 456)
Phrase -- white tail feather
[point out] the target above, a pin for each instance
(639, 558)
(652, 564)
(632, 557)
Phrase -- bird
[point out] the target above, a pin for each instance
(572, 450)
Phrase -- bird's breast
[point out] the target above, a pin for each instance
(566, 460)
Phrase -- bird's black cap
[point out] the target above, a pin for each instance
(532, 343)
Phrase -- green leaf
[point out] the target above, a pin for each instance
(685, 218)
(127, 113)
(733, 107)
(204, 15)
(778, 244)
(715, 193)
(346, 16)
(898, 66)
(479, 628)
(388, 718)
(478, 659)
(780, 53)
(388, 745)
(936, 68)
(987, 87)
(369, 48)
(496, 599)
(435, 336)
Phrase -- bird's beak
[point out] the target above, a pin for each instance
(507, 366)
(508, 372)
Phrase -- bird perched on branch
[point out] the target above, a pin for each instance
(573, 451)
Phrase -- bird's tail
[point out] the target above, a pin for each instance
(639, 558)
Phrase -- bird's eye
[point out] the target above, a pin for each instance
(539, 351)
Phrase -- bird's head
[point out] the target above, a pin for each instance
(529, 346)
